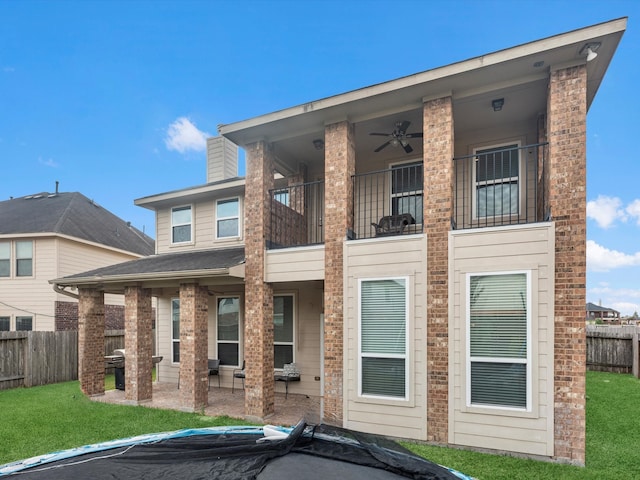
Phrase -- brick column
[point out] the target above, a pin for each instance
(138, 343)
(566, 127)
(340, 160)
(194, 314)
(259, 394)
(91, 341)
(438, 208)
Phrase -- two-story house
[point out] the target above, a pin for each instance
(49, 235)
(416, 247)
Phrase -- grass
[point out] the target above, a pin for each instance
(613, 440)
(44, 419)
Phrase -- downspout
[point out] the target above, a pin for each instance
(62, 290)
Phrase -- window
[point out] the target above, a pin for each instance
(282, 196)
(227, 218)
(282, 330)
(5, 259)
(24, 259)
(175, 330)
(229, 330)
(181, 224)
(497, 181)
(383, 337)
(24, 324)
(406, 189)
(498, 340)
(5, 324)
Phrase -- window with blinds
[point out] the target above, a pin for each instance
(383, 337)
(498, 340)
(497, 181)
(283, 322)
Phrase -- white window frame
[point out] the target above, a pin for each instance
(527, 360)
(20, 317)
(8, 319)
(19, 258)
(237, 217)
(518, 179)
(240, 340)
(292, 343)
(7, 259)
(190, 223)
(173, 339)
(413, 193)
(405, 356)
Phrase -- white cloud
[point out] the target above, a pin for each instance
(624, 300)
(602, 259)
(183, 135)
(633, 210)
(48, 162)
(606, 210)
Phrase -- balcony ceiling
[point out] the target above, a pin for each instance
(519, 75)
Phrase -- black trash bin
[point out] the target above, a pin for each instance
(119, 371)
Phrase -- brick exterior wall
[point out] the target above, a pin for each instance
(566, 127)
(91, 341)
(138, 340)
(438, 205)
(339, 167)
(66, 316)
(194, 346)
(258, 313)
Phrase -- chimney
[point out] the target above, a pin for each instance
(57, 183)
(222, 159)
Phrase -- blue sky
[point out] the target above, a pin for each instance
(114, 98)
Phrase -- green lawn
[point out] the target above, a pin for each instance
(44, 419)
(613, 441)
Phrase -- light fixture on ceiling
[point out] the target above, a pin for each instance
(318, 144)
(497, 104)
(590, 50)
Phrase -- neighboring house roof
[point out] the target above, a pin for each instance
(592, 307)
(74, 215)
(164, 266)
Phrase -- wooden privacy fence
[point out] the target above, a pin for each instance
(37, 358)
(613, 349)
(28, 359)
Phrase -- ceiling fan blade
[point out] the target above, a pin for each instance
(403, 127)
(381, 134)
(407, 148)
(414, 135)
(382, 146)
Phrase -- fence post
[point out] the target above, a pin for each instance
(636, 353)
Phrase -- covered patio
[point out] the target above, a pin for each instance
(287, 411)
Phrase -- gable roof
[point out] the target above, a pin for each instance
(74, 215)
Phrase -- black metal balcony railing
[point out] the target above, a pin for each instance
(296, 215)
(500, 186)
(388, 202)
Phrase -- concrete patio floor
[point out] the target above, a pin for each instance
(288, 411)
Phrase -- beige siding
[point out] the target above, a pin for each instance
(53, 257)
(203, 216)
(295, 264)
(307, 348)
(376, 258)
(529, 248)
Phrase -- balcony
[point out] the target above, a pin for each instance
(388, 202)
(500, 186)
(296, 215)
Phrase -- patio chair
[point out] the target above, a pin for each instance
(214, 369)
(238, 373)
(290, 373)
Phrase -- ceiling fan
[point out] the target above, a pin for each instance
(398, 137)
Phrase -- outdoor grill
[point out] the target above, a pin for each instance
(117, 362)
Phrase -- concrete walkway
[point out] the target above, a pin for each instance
(222, 402)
